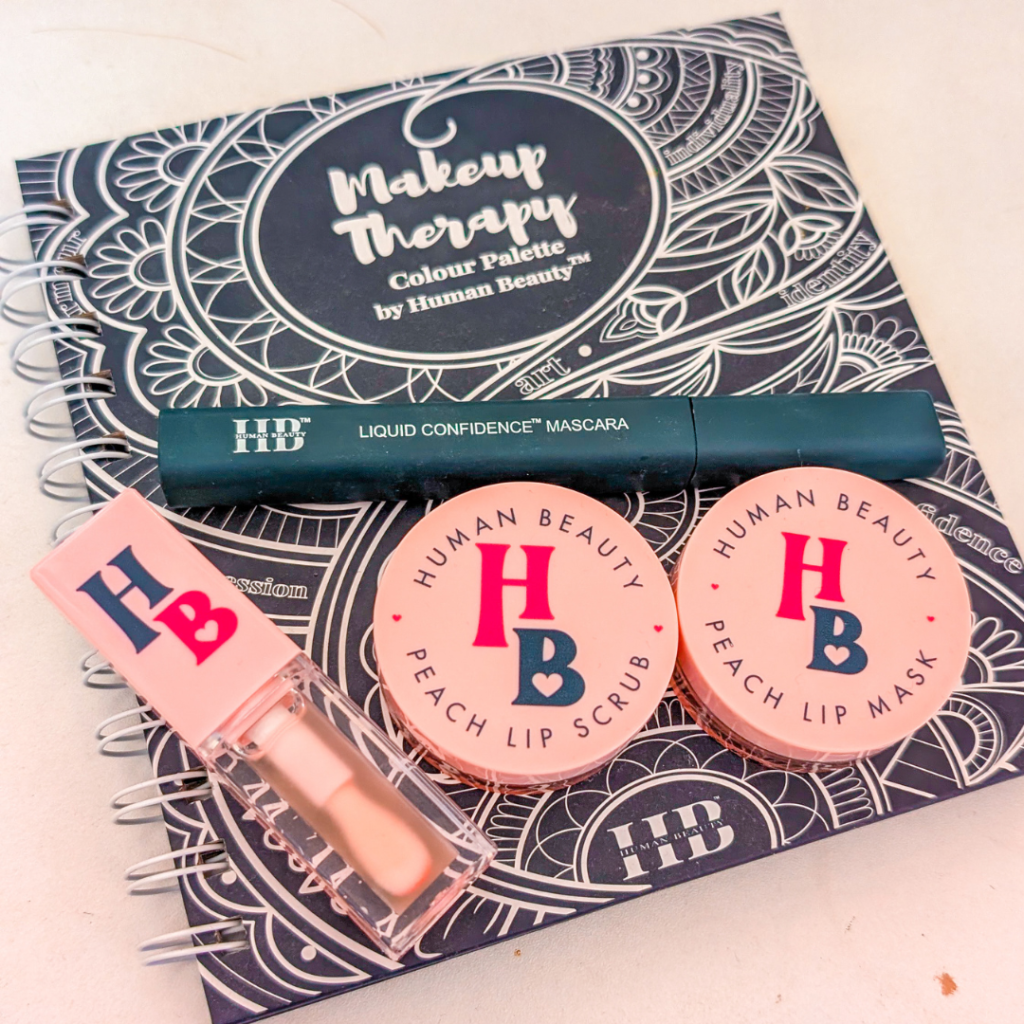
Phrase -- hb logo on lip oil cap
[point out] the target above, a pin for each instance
(202, 628)
(128, 579)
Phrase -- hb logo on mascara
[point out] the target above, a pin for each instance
(286, 434)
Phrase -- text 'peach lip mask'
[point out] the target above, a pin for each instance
(524, 634)
(822, 619)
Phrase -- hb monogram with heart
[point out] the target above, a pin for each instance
(836, 630)
(191, 617)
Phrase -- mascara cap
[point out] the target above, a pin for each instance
(166, 619)
(886, 435)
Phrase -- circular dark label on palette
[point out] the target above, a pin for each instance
(471, 233)
(669, 827)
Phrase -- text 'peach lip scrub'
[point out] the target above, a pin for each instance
(524, 634)
(266, 722)
(822, 619)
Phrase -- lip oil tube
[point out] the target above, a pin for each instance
(266, 722)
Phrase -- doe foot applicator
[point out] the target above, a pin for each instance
(266, 722)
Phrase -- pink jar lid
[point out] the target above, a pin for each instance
(524, 634)
(822, 618)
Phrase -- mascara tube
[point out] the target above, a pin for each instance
(335, 453)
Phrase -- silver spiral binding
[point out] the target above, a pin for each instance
(126, 740)
(90, 386)
(189, 786)
(98, 674)
(228, 935)
(62, 527)
(68, 328)
(77, 453)
(148, 878)
(48, 214)
(31, 275)
(32, 355)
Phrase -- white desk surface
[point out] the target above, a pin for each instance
(926, 99)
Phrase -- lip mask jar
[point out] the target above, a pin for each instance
(822, 619)
(524, 634)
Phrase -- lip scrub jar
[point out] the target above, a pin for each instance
(524, 634)
(822, 619)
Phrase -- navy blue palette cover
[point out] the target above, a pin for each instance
(659, 216)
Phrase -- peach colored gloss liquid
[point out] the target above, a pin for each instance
(350, 804)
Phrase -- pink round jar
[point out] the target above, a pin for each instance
(822, 619)
(524, 634)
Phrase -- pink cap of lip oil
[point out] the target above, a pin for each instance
(822, 619)
(185, 639)
(524, 634)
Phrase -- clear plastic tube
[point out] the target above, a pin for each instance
(356, 812)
